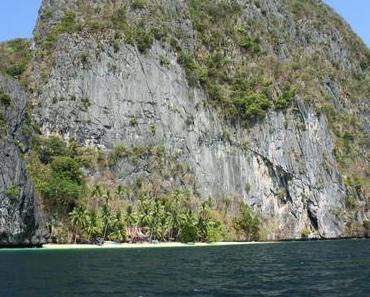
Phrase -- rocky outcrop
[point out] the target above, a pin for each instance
(19, 219)
(282, 165)
(93, 84)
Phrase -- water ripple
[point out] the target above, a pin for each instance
(335, 268)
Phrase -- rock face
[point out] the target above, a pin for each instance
(282, 165)
(103, 91)
(287, 171)
(19, 220)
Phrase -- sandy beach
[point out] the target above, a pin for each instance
(113, 245)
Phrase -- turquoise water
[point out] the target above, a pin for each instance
(331, 268)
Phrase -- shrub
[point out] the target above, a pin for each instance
(4, 98)
(119, 18)
(3, 124)
(13, 192)
(143, 39)
(351, 202)
(247, 223)
(281, 195)
(250, 44)
(215, 232)
(193, 71)
(67, 24)
(251, 105)
(285, 100)
(305, 233)
(16, 70)
(84, 59)
(133, 121)
(116, 46)
(85, 104)
(216, 10)
(14, 57)
(66, 184)
(215, 91)
(139, 4)
(50, 147)
(163, 61)
(152, 130)
(67, 168)
(118, 152)
(188, 231)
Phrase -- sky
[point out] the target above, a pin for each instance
(18, 17)
(356, 13)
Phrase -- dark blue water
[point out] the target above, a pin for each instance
(335, 268)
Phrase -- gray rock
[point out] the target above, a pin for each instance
(19, 217)
(283, 165)
(286, 155)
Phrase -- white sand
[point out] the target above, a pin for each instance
(112, 245)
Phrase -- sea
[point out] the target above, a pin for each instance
(337, 268)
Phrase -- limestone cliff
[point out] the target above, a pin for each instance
(19, 218)
(264, 100)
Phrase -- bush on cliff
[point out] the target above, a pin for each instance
(248, 223)
(66, 184)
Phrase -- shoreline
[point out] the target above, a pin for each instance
(112, 245)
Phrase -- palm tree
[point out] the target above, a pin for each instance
(79, 219)
(94, 226)
(120, 191)
(160, 222)
(145, 212)
(204, 220)
(227, 203)
(118, 228)
(107, 219)
(97, 191)
(131, 218)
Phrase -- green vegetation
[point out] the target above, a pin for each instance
(249, 43)
(4, 98)
(152, 130)
(245, 66)
(167, 217)
(120, 151)
(285, 100)
(207, 66)
(65, 185)
(305, 233)
(164, 61)
(133, 121)
(249, 105)
(248, 223)
(55, 169)
(85, 104)
(14, 57)
(68, 24)
(139, 4)
(156, 203)
(351, 202)
(143, 39)
(13, 192)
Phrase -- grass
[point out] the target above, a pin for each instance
(15, 56)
